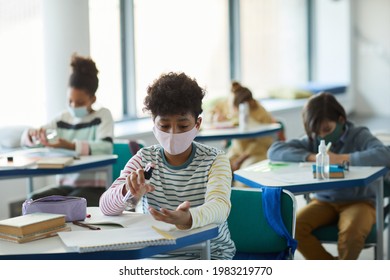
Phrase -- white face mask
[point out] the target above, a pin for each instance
(175, 143)
(78, 112)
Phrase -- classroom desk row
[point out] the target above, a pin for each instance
(293, 177)
(52, 248)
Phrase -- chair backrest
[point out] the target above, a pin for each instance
(248, 226)
(124, 149)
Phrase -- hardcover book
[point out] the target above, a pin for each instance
(31, 223)
(54, 162)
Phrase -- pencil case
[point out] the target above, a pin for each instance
(75, 208)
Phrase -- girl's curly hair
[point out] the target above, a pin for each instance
(84, 74)
(174, 94)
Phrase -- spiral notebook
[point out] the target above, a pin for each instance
(115, 239)
(136, 231)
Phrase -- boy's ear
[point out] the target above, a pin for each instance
(199, 122)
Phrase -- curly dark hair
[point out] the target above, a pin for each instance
(84, 74)
(174, 94)
(320, 107)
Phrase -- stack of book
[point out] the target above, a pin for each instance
(54, 162)
(31, 227)
(335, 171)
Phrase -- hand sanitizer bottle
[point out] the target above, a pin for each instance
(243, 120)
(322, 162)
(130, 200)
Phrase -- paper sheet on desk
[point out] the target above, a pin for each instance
(294, 178)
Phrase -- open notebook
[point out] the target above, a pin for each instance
(135, 231)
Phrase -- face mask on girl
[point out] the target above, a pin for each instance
(78, 112)
(175, 143)
(335, 135)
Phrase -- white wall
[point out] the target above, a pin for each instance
(372, 57)
(66, 30)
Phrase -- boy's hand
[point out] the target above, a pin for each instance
(135, 183)
(181, 217)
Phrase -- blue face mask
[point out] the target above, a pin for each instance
(78, 112)
(334, 136)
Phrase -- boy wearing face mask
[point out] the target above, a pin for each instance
(354, 208)
(190, 184)
(81, 129)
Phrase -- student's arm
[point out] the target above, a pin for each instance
(293, 150)
(370, 151)
(217, 204)
(111, 202)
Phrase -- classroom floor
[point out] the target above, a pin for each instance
(366, 254)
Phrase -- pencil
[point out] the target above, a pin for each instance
(85, 225)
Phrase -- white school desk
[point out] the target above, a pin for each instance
(54, 249)
(298, 178)
(79, 164)
(254, 131)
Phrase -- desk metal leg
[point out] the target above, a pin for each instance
(379, 219)
(29, 186)
(206, 252)
(388, 232)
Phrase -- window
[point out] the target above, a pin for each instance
(273, 44)
(21, 68)
(105, 50)
(189, 36)
(331, 41)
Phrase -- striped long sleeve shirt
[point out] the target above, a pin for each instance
(204, 180)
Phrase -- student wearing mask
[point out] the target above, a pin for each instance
(80, 128)
(190, 185)
(352, 208)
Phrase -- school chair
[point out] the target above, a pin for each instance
(250, 230)
(329, 234)
(124, 149)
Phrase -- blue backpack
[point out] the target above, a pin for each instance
(271, 207)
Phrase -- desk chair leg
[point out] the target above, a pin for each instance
(379, 219)
(388, 235)
(29, 187)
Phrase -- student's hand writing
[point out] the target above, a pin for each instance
(333, 158)
(337, 158)
(181, 217)
(135, 183)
